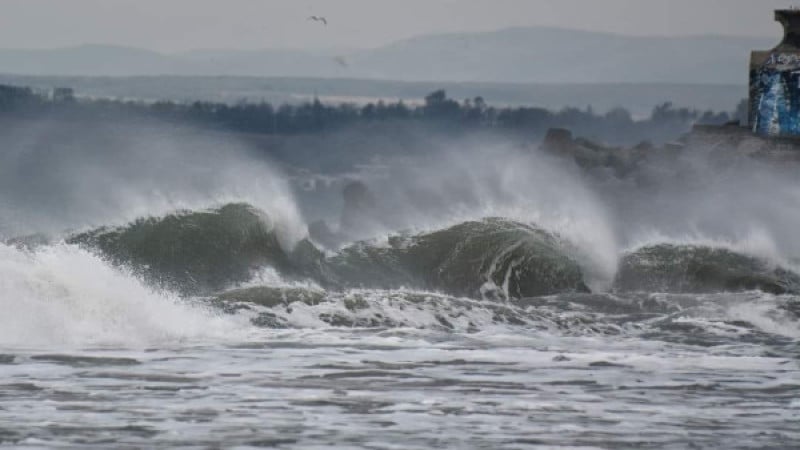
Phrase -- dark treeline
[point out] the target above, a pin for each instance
(616, 126)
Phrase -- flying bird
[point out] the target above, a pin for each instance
(319, 19)
(342, 61)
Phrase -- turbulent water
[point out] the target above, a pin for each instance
(503, 307)
(101, 349)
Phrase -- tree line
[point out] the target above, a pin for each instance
(616, 126)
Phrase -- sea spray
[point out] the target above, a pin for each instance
(63, 296)
(56, 176)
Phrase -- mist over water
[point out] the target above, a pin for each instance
(709, 197)
(413, 326)
(700, 197)
(61, 176)
(464, 181)
(58, 175)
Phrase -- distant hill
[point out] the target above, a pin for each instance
(552, 55)
(516, 55)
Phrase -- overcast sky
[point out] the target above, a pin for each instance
(177, 25)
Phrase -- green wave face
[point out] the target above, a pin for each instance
(193, 252)
(700, 269)
(492, 257)
(199, 253)
(208, 252)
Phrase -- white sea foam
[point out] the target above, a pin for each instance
(64, 296)
(763, 315)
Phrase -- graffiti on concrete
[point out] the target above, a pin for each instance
(776, 89)
(784, 59)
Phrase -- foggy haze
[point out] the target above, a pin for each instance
(378, 224)
(181, 25)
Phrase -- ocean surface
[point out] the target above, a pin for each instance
(158, 292)
(93, 358)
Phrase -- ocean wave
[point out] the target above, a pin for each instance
(700, 269)
(208, 251)
(193, 251)
(205, 252)
(220, 272)
(62, 295)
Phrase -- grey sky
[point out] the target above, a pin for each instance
(176, 25)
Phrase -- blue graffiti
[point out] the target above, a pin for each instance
(778, 102)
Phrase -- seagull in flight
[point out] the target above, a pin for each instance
(319, 19)
(342, 61)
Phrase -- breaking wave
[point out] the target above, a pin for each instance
(204, 252)
(192, 252)
(223, 272)
(208, 251)
(61, 295)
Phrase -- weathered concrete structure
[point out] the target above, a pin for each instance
(775, 82)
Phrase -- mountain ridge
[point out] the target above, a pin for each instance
(510, 55)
